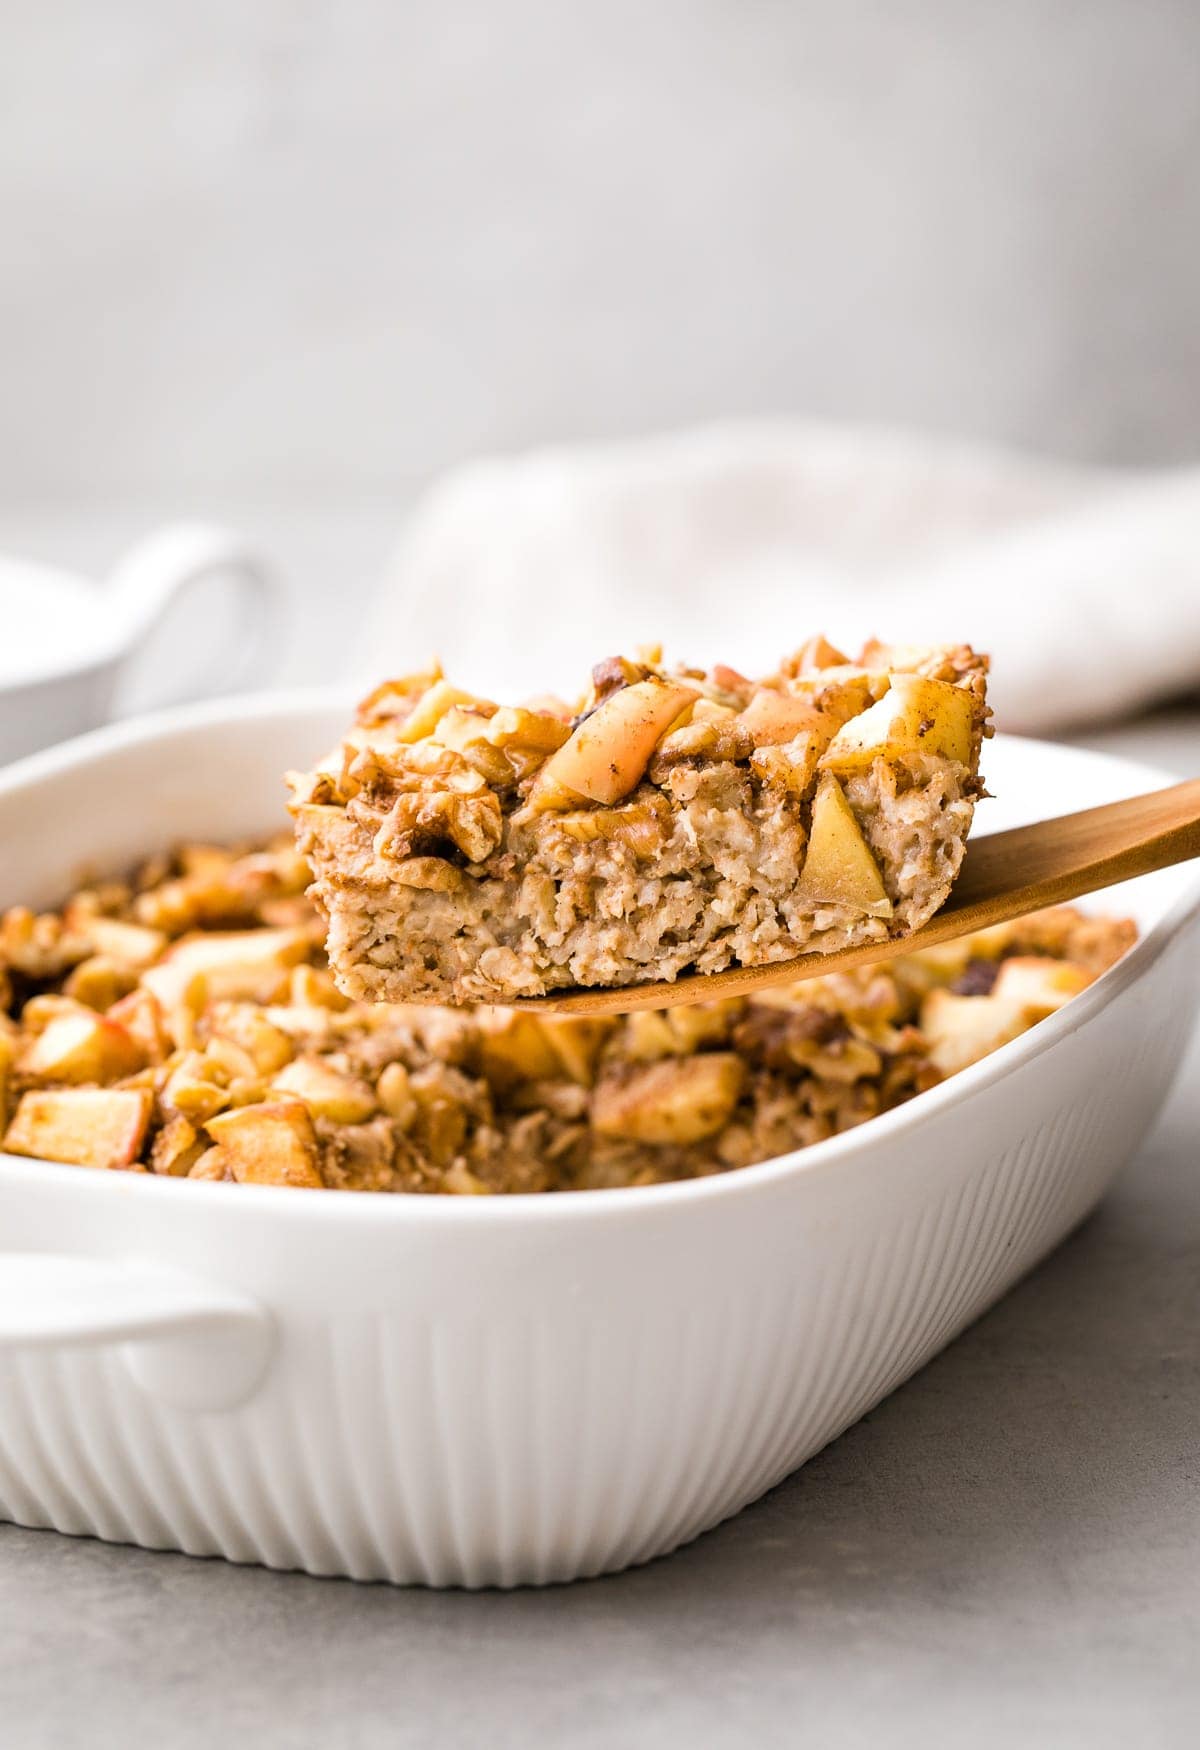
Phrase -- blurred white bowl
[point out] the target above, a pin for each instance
(475, 1391)
(71, 648)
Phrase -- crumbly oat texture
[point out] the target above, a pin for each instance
(185, 1023)
(671, 821)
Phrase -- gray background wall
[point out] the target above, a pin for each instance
(280, 261)
(276, 248)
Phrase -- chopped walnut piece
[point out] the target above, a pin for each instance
(177, 1148)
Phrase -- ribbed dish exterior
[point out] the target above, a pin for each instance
(568, 1395)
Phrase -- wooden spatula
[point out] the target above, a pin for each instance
(1004, 875)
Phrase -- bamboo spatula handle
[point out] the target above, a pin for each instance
(1007, 874)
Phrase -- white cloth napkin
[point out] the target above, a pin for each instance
(733, 543)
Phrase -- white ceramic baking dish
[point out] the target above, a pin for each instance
(488, 1391)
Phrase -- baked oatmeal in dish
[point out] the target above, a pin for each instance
(185, 1023)
(673, 820)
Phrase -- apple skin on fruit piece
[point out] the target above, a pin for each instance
(915, 715)
(82, 1048)
(814, 705)
(839, 868)
(776, 718)
(608, 754)
(818, 653)
(82, 1127)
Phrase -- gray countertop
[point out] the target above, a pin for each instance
(1006, 1551)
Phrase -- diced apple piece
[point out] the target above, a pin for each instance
(1039, 985)
(773, 718)
(817, 653)
(915, 715)
(82, 1048)
(961, 1030)
(697, 1024)
(269, 1144)
(39, 1011)
(99, 982)
(431, 707)
(140, 1013)
(514, 1048)
(576, 1041)
(839, 868)
(816, 705)
(394, 1093)
(243, 965)
(327, 1092)
(83, 1127)
(8, 1053)
(648, 1037)
(131, 944)
(608, 754)
(679, 1100)
(730, 680)
(213, 1165)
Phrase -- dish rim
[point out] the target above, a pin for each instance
(813, 1159)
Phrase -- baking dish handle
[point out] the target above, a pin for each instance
(193, 1343)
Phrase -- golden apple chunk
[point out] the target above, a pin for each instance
(83, 1127)
(839, 868)
(915, 715)
(961, 1029)
(1039, 985)
(677, 1100)
(608, 754)
(272, 1143)
(248, 965)
(82, 1048)
(130, 944)
(327, 1092)
(775, 718)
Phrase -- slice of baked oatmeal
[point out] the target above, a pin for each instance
(673, 820)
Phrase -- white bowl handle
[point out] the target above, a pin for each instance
(194, 1343)
(155, 573)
